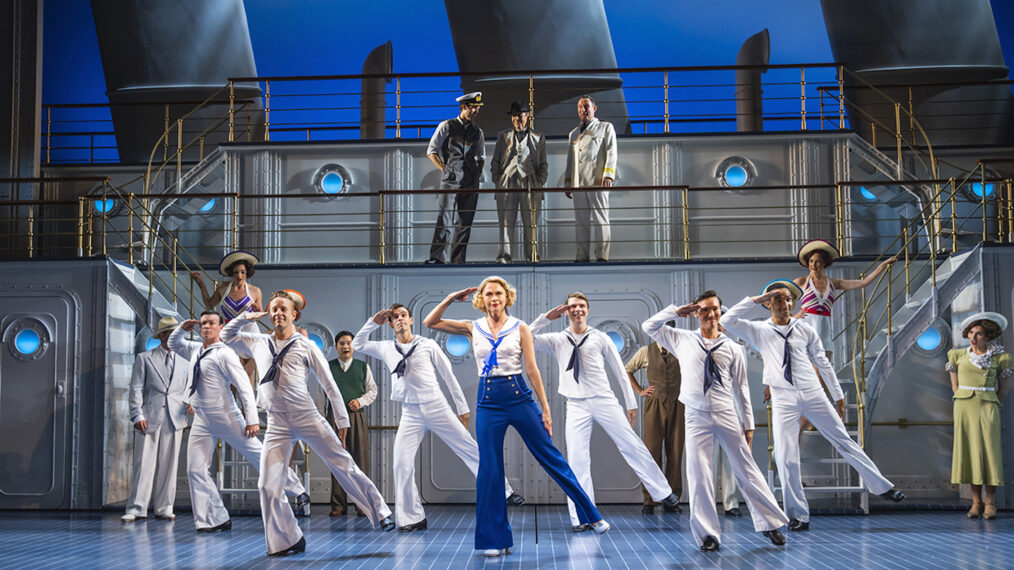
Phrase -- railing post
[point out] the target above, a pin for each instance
(802, 97)
(911, 116)
(841, 96)
(954, 218)
(839, 218)
(908, 282)
(383, 239)
(397, 107)
(665, 79)
(873, 134)
(533, 209)
(80, 225)
(889, 302)
(267, 110)
(105, 220)
(130, 228)
(179, 155)
(232, 111)
(31, 231)
(165, 141)
(822, 110)
(91, 148)
(49, 130)
(91, 231)
(686, 223)
(235, 221)
(200, 155)
(531, 100)
(1010, 210)
(982, 171)
(176, 240)
(771, 447)
(897, 131)
(249, 122)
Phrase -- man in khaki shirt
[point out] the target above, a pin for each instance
(663, 414)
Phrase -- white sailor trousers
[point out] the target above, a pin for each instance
(156, 458)
(280, 528)
(591, 210)
(725, 477)
(416, 419)
(582, 414)
(227, 424)
(786, 407)
(702, 429)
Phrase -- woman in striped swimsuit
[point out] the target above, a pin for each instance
(237, 295)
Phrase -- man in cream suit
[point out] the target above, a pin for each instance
(519, 162)
(591, 161)
(159, 416)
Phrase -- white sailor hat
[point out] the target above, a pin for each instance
(794, 289)
(298, 300)
(165, 324)
(996, 318)
(473, 99)
(234, 256)
(817, 245)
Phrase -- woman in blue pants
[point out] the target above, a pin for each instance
(499, 341)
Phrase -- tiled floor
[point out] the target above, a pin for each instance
(940, 539)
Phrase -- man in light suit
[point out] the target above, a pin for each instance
(591, 161)
(159, 415)
(519, 162)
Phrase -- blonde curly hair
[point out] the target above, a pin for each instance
(512, 293)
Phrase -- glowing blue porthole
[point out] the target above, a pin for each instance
(866, 194)
(332, 180)
(332, 183)
(929, 340)
(27, 341)
(152, 343)
(977, 190)
(736, 176)
(104, 206)
(318, 341)
(617, 339)
(457, 345)
(735, 172)
(208, 207)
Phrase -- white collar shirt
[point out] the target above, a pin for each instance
(805, 350)
(220, 368)
(686, 346)
(596, 354)
(422, 368)
(289, 393)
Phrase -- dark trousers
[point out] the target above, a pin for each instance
(357, 443)
(663, 433)
(454, 212)
(506, 401)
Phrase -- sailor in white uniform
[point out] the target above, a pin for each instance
(287, 359)
(159, 416)
(213, 368)
(591, 161)
(415, 364)
(790, 349)
(583, 354)
(713, 372)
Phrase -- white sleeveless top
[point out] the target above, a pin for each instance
(508, 352)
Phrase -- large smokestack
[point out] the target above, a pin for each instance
(756, 50)
(373, 103)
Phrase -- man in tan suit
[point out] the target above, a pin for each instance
(591, 161)
(663, 414)
(159, 415)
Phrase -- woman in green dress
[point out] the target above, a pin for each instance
(976, 373)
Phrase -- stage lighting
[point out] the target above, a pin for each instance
(332, 180)
(735, 172)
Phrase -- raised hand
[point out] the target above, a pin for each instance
(188, 325)
(253, 315)
(557, 312)
(769, 296)
(196, 276)
(463, 294)
(687, 310)
(382, 316)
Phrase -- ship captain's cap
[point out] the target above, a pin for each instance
(473, 99)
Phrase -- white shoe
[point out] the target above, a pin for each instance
(129, 518)
(493, 552)
(601, 527)
(169, 517)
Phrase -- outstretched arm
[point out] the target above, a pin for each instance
(849, 284)
(435, 319)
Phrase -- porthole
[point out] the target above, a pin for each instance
(332, 180)
(934, 340)
(735, 172)
(320, 336)
(623, 337)
(457, 345)
(866, 194)
(27, 339)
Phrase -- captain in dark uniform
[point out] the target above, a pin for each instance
(457, 149)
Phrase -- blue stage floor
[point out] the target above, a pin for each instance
(938, 539)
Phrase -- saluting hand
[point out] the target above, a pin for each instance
(188, 325)
(769, 296)
(253, 315)
(557, 312)
(382, 316)
(463, 294)
(687, 310)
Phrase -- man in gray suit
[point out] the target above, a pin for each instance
(519, 162)
(159, 415)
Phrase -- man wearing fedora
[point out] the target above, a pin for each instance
(793, 355)
(457, 149)
(591, 161)
(159, 415)
(518, 163)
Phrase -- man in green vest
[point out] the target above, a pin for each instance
(663, 414)
(358, 390)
